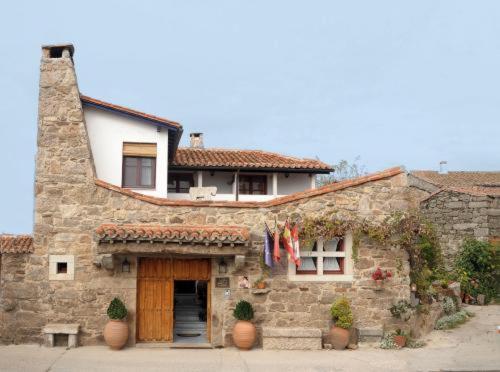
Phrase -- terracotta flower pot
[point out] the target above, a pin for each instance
(379, 285)
(116, 334)
(339, 338)
(400, 340)
(261, 285)
(244, 334)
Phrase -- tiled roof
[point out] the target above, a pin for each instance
(459, 179)
(473, 183)
(246, 159)
(126, 110)
(174, 233)
(332, 187)
(16, 243)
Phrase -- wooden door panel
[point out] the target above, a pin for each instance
(196, 269)
(154, 300)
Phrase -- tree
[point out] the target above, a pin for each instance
(343, 170)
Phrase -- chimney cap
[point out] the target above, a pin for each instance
(196, 140)
(48, 47)
(195, 134)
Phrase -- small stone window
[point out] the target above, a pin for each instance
(324, 260)
(61, 267)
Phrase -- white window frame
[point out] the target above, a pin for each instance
(69, 260)
(347, 276)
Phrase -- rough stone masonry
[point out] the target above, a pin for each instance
(69, 206)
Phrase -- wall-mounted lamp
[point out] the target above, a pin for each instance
(413, 287)
(125, 266)
(222, 266)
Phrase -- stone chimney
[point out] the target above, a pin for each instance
(196, 140)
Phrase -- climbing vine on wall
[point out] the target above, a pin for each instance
(407, 230)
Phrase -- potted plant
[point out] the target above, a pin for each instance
(399, 338)
(244, 332)
(260, 283)
(116, 330)
(379, 276)
(342, 322)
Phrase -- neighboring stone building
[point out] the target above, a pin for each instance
(95, 239)
(460, 205)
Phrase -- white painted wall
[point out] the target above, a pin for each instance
(295, 182)
(286, 185)
(107, 132)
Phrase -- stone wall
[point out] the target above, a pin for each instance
(69, 206)
(457, 216)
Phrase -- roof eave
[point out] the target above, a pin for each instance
(253, 169)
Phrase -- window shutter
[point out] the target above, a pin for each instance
(139, 149)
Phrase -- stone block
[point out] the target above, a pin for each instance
(370, 334)
(291, 339)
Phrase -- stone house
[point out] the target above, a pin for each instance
(121, 210)
(460, 205)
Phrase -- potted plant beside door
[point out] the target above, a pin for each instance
(244, 332)
(116, 330)
(342, 322)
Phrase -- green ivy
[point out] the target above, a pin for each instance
(407, 230)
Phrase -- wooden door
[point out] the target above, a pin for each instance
(191, 269)
(154, 300)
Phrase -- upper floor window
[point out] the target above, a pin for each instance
(180, 182)
(139, 165)
(325, 260)
(253, 185)
(139, 172)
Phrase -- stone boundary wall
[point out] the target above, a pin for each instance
(458, 216)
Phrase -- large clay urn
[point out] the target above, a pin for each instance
(244, 334)
(116, 334)
(339, 338)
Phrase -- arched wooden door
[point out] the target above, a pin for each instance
(154, 300)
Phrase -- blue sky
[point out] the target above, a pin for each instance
(395, 82)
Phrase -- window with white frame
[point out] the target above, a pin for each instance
(324, 260)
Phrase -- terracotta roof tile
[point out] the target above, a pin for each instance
(459, 179)
(174, 233)
(254, 159)
(126, 110)
(16, 243)
(473, 183)
(336, 186)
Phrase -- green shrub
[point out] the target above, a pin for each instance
(243, 311)
(449, 306)
(452, 321)
(341, 313)
(401, 310)
(117, 309)
(476, 266)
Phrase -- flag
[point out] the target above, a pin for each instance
(276, 253)
(268, 259)
(295, 242)
(287, 242)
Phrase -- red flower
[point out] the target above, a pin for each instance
(381, 275)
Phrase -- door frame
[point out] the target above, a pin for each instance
(172, 279)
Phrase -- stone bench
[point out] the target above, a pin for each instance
(50, 330)
(291, 339)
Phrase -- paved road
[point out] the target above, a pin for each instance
(475, 346)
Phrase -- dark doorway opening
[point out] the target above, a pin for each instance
(190, 311)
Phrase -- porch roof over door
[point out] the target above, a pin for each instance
(205, 235)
